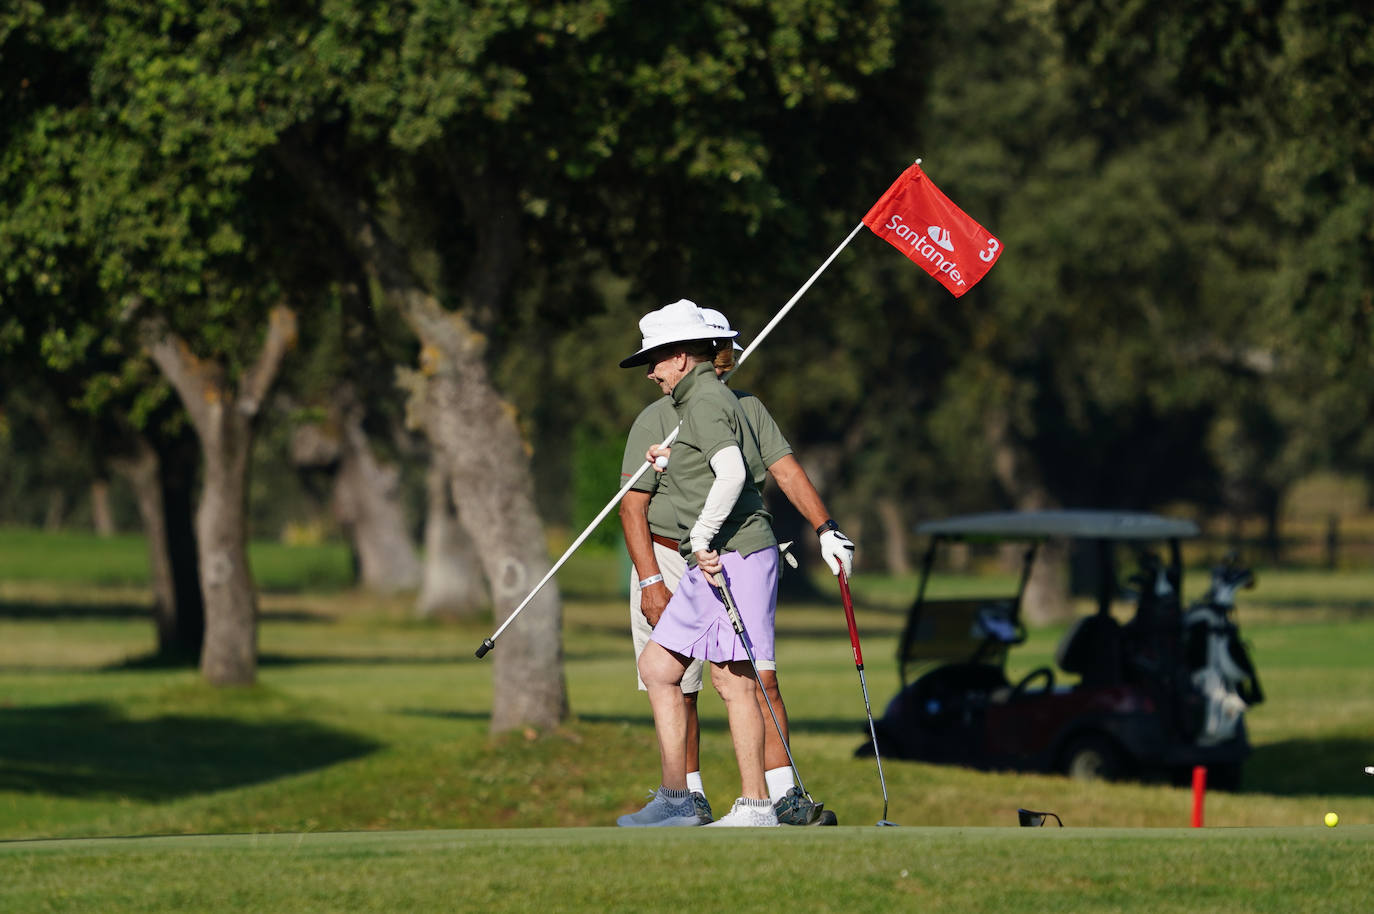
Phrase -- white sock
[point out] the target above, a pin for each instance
(779, 781)
(694, 783)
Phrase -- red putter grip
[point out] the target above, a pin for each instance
(849, 617)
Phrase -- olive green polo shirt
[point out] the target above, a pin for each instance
(712, 420)
(657, 421)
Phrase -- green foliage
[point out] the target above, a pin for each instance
(595, 465)
(1183, 310)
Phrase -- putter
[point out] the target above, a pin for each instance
(859, 664)
(732, 610)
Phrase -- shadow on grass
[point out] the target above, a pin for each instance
(66, 611)
(173, 661)
(93, 750)
(1353, 607)
(1309, 766)
(784, 631)
(30, 610)
(711, 723)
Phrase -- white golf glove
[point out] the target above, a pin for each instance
(838, 552)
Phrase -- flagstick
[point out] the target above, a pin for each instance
(795, 298)
(489, 643)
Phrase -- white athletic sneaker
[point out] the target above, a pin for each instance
(744, 814)
(662, 811)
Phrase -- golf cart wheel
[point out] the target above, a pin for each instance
(1224, 777)
(1093, 758)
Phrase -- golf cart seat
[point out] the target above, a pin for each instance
(972, 632)
(1092, 649)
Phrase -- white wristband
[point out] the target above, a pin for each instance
(650, 580)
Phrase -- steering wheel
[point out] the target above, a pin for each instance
(1043, 672)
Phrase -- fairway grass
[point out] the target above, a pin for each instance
(995, 870)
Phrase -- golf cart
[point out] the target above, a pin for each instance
(1153, 697)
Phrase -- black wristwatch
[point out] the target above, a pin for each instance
(828, 525)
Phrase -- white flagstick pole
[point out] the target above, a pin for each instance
(489, 643)
(796, 298)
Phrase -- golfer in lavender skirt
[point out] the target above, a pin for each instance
(710, 473)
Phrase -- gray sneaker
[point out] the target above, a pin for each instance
(745, 814)
(796, 808)
(662, 811)
(702, 807)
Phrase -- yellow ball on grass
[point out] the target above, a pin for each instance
(1331, 820)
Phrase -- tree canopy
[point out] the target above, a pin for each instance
(1182, 311)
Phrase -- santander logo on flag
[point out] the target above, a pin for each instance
(941, 237)
(953, 248)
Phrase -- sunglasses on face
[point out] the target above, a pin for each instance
(1031, 819)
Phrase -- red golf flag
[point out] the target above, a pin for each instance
(925, 225)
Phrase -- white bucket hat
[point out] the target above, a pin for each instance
(717, 320)
(680, 322)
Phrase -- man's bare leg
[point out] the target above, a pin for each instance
(774, 751)
(662, 672)
(735, 683)
(689, 704)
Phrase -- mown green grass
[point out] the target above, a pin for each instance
(368, 720)
(1000, 871)
(122, 561)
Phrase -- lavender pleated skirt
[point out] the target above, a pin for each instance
(695, 624)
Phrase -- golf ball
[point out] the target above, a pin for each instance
(1369, 769)
(1331, 820)
(661, 463)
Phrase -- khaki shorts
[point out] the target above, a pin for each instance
(673, 566)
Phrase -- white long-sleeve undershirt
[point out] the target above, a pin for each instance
(728, 465)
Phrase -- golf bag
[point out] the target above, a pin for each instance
(1221, 670)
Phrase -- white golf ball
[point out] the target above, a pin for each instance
(661, 462)
(1369, 769)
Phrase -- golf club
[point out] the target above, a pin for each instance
(718, 580)
(859, 664)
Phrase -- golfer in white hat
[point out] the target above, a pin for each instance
(709, 496)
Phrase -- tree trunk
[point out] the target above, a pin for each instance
(453, 585)
(178, 473)
(367, 494)
(230, 655)
(102, 518)
(895, 549)
(478, 445)
(471, 428)
(56, 512)
(163, 500)
(223, 419)
(1046, 599)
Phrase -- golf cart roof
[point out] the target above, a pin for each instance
(1084, 524)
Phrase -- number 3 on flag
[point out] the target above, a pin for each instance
(991, 252)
